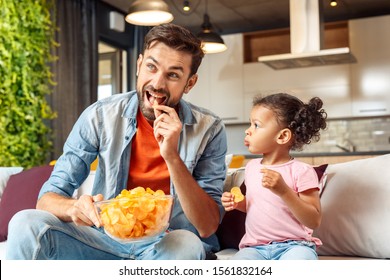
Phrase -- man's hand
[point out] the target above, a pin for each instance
(80, 211)
(167, 129)
(83, 212)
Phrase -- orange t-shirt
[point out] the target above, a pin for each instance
(147, 167)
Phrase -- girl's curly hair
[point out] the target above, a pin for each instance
(304, 120)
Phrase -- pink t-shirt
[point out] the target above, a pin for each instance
(268, 218)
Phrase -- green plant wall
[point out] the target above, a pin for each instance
(27, 41)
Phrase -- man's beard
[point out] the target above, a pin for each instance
(149, 112)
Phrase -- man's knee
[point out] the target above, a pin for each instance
(26, 221)
(182, 244)
(21, 219)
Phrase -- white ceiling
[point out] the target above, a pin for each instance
(236, 16)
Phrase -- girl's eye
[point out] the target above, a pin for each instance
(256, 125)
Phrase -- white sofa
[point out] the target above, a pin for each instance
(355, 202)
(355, 199)
(2, 249)
(21, 191)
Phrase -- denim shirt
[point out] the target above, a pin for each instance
(105, 130)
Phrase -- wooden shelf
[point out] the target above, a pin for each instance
(277, 41)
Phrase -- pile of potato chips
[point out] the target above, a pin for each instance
(136, 213)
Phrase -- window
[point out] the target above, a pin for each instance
(112, 70)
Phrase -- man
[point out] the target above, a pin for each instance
(149, 137)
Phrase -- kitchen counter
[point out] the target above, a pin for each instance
(357, 153)
(330, 158)
(325, 154)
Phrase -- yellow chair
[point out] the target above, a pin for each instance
(237, 161)
(94, 164)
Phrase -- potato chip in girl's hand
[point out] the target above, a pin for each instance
(238, 196)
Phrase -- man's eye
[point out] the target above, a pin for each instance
(173, 75)
(151, 66)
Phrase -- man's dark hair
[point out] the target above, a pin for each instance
(178, 38)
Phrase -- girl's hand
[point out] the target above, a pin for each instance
(228, 201)
(273, 181)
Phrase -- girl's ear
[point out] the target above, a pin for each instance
(284, 137)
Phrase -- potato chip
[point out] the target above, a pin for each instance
(136, 213)
(159, 192)
(238, 196)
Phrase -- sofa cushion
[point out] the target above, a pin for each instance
(5, 173)
(356, 209)
(21, 193)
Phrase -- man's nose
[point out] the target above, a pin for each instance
(159, 81)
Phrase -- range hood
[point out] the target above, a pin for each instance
(306, 33)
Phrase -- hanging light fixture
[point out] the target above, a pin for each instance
(211, 41)
(186, 6)
(333, 3)
(149, 13)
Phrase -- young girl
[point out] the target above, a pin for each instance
(282, 202)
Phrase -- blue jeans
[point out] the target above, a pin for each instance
(36, 234)
(288, 250)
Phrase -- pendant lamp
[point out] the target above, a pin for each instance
(186, 6)
(211, 41)
(149, 13)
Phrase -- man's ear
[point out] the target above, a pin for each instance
(190, 83)
(285, 136)
(139, 62)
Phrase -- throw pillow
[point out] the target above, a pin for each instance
(21, 193)
(320, 170)
(355, 209)
(5, 173)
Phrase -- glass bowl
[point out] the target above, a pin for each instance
(134, 219)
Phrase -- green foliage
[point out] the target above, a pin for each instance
(27, 41)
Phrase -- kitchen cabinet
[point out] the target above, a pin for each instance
(220, 84)
(360, 89)
(370, 76)
(277, 41)
(330, 83)
(227, 84)
(337, 159)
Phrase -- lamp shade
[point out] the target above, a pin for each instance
(149, 13)
(211, 41)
